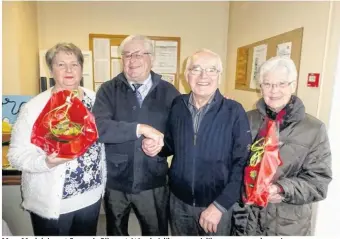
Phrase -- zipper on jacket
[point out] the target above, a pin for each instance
(194, 174)
(194, 158)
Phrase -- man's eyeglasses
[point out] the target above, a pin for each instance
(212, 71)
(280, 85)
(135, 55)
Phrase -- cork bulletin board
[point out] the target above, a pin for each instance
(107, 60)
(250, 57)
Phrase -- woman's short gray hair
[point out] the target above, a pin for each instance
(63, 47)
(275, 63)
(148, 44)
(218, 58)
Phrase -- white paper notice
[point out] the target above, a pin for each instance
(88, 81)
(169, 78)
(165, 57)
(44, 71)
(101, 70)
(116, 67)
(153, 43)
(259, 57)
(101, 49)
(284, 49)
(97, 86)
(114, 51)
(87, 64)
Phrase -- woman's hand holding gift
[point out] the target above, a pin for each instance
(275, 194)
(52, 160)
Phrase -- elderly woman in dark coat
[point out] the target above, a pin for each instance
(305, 174)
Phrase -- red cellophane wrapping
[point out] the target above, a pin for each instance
(64, 126)
(262, 167)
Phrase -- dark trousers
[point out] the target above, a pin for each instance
(184, 220)
(82, 222)
(150, 207)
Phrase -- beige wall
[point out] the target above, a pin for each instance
(19, 76)
(199, 24)
(254, 21)
(10, 50)
(332, 48)
(20, 48)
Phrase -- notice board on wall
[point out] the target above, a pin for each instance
(250, 57)
(107, 59)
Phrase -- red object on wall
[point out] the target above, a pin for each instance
(313, 79)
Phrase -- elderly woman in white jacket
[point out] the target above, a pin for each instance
(62, 196)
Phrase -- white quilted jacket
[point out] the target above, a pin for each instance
(42, 187)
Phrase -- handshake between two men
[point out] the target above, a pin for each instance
(154, 140)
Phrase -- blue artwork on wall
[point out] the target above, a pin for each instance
(11, 105)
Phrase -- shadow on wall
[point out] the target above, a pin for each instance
(183, 80)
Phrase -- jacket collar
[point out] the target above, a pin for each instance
(216, 100)
(156, 78)
(297, 114)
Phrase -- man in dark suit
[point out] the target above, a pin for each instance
(132, 106)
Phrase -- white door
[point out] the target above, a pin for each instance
(327, 221)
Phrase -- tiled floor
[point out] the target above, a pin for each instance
(134, 228)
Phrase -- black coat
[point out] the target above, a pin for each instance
(117, 114)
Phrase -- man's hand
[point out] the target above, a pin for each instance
(152, 133)
(52, 160)
(150, 147)
(274, 194)
(210, 218)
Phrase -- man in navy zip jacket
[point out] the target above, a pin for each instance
(209, 137)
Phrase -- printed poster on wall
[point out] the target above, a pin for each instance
(165, 57)
(101, 55)
(284, 49)
(259, 57)
(169, 78)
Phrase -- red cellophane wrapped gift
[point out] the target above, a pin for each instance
(262, 167)
(64, 126)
